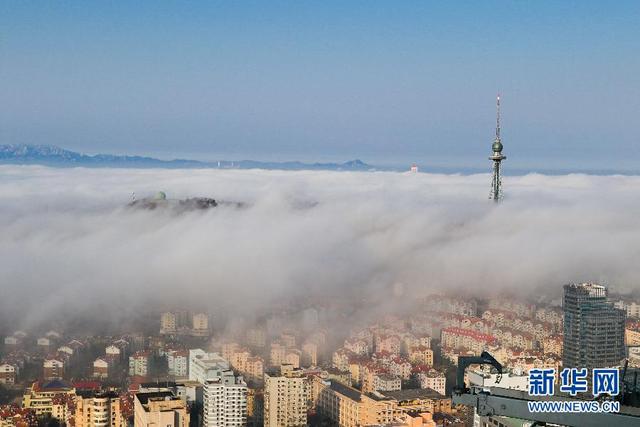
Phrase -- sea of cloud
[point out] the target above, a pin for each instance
(68, 242)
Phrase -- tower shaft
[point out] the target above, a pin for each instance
(497, 157)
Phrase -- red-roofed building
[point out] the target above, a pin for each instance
(434, 380)
(458, 338)
(15, 416)
(390, 343)
(420, 355)
(87, 385)
(400, 367)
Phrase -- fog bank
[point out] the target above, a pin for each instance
(68, 242)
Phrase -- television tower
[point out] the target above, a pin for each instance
(497, 157)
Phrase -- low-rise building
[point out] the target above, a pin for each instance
(386, 382)
(632, 333)
(457, 338)
(552, 345)
(400, 367)
(52, 368)
(49, 397)
(349, 407)
(7, 374)
(419, 400)
(139, 364)
(388, 343)
(113, 354)
(11, 341)
(178, 363)
(44, 344)
(420, 355)
(357, 346)
(100, 368)
(13, 415)
(433, 379)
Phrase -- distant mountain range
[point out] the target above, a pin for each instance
(49, 155)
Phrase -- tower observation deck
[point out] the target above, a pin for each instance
(497, 157)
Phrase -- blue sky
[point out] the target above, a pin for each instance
(387, 82)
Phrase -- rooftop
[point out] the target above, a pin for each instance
(350, 392)
(144, 398)
(412, 394)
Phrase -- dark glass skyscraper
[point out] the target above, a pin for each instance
(593, 328)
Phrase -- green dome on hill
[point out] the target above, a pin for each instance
(161, 195)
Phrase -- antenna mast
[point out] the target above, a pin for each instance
(497, 157)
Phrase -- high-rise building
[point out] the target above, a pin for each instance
(205, 366)
(182, 322)
(160, 409)
(199, 324)
(98, 410)
(224, 400)
(168, 324)
(497, 157)
(285, 397)
(593, 328)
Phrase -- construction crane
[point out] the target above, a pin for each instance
(496, 401)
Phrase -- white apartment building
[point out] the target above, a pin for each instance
(434, 380)
(224, 394)
(385, 382)
(7, 374)
(112, 351)
(178, 363)
(138, 364)
(205, 366)
(225, 401)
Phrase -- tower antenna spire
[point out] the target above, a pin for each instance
(497, 157)
(498, 117)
